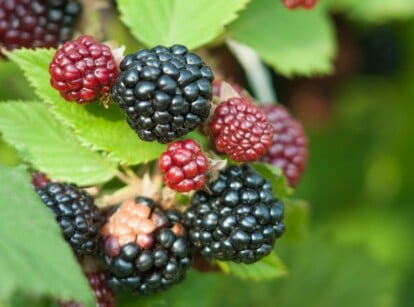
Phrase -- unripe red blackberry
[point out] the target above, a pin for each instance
(239, 221)
(144, 248)
(164, 92)
(104, 297)
(76, 213)
(37, 23)
(293, 4)
(241, 130)
(289, 149)
(184, 166)
(83, 70)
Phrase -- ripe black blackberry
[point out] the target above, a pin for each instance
(37, 23)
(76, 213)
(239, 221)
(165, 92)
(145, 249)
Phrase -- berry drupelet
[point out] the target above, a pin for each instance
(184, 166)
(289, 149)
(83, 70)
(239, 221)
(164, 92)
(76, 213)
(145, 249)
(241, 130)
(37, 23)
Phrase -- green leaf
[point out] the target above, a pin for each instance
(296, 218)
(270, 267)
(96, 127)
(275, 176)
(187, 22)
(375, 11)
(43, 141)
(34, 258)
(293, 42)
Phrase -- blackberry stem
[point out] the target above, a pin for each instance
(259, 80)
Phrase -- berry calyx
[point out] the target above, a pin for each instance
(76, 213)
(83, 70)
(240, 129)
(184, 166)
(145, 249)
(165, 92)
(37, 23)
(293, 4)
(239, 221)
(289, 149)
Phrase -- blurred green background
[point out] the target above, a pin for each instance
(356, 249)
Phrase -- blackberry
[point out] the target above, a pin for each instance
(37, 23)
(184, 166)
(241, 130)
(289, 149)
(164, 92)
(239, 221)
(104, 296)
(145, 249)
(76, 213)
(83, 70)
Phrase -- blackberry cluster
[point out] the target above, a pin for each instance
(145, 249)
(37, 23)
(83, 70)
(241, 130)
(239, 221)
(165, 92)
(289, 149)
(76, 214)
(184, 166)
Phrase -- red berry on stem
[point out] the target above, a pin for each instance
(293, 4)
(184, 166)
(83, 70)
(241, 130)
(289, 149)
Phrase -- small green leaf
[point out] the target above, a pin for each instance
(270, 267)
(34, 258)
(96, 127)
(51, 147)
(187, 22)
(275, 176)
(296, 218)
(293, 42)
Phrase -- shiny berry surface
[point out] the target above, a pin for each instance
(83, 70)
(183, 166)
(241, 130)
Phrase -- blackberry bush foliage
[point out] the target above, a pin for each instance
(164, 167)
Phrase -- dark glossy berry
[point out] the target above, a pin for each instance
(289, 149)
(240, 129)
(184, 166)
(164, 92)
(145, 249)
(236, 222)
(37, 23)
(83, 70)
(293, 4)
(76, 213)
